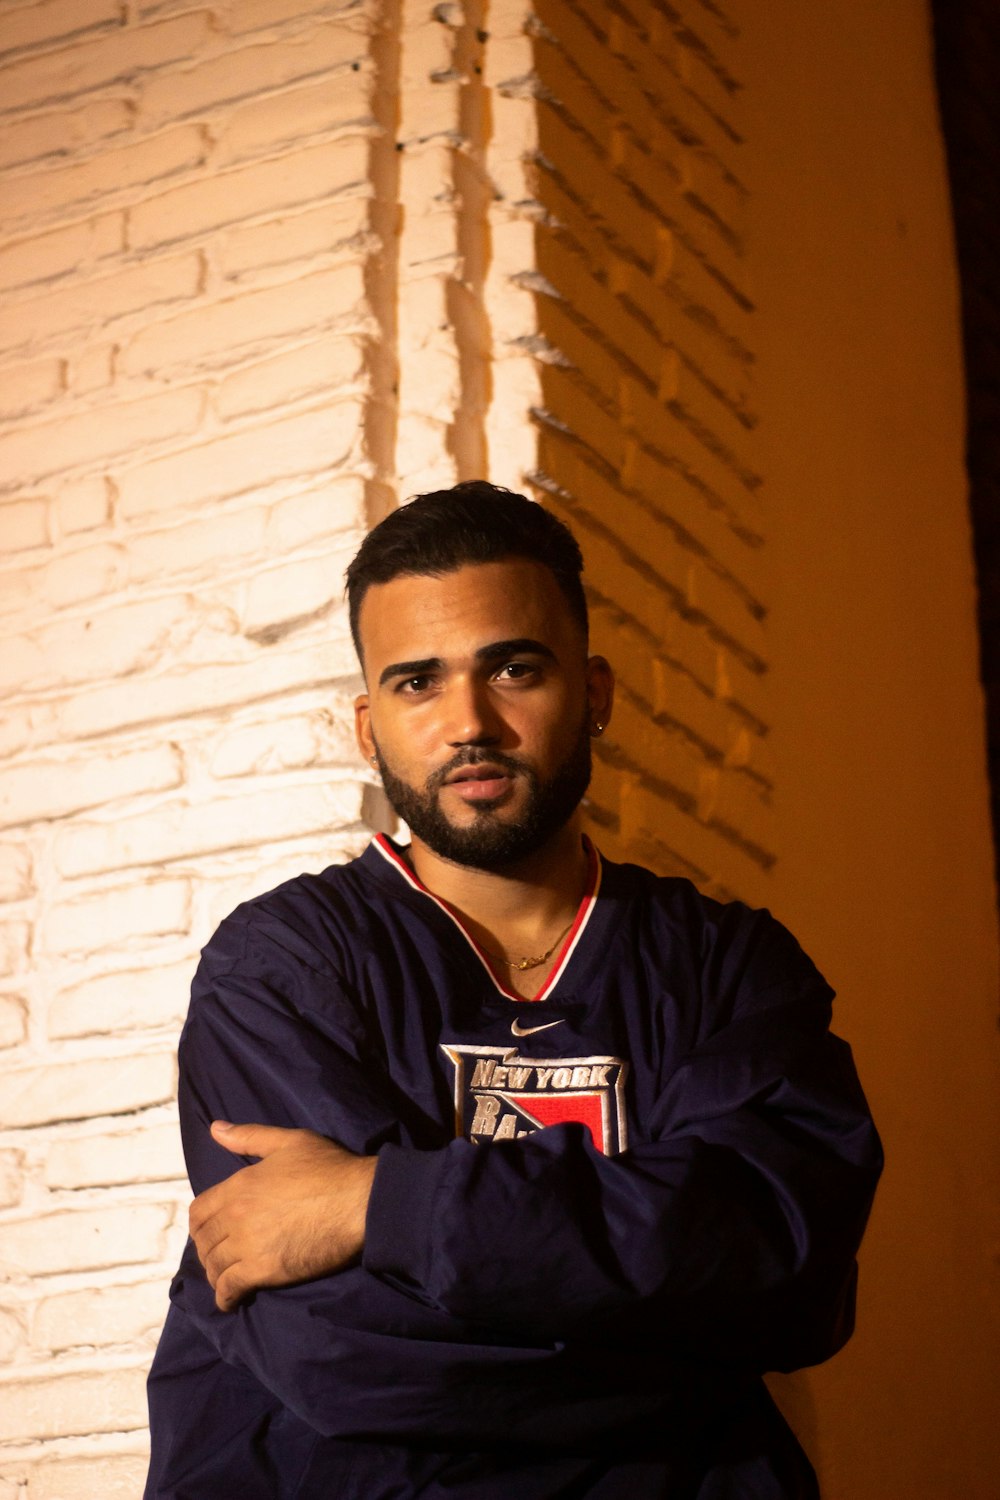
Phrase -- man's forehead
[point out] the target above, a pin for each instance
(426, 614)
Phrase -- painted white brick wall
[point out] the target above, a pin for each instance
(189, 265)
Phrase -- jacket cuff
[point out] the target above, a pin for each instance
(400, 1223)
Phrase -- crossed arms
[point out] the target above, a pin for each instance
(297, 1214)
(366, 1248)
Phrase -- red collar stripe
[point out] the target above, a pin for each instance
(389, 852)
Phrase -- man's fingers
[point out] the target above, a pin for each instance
(298, 1213)
(231, 1273)
(230, 1287)
(218, 1261)
(207, 1236)
(252, 1140)
(207, 1205)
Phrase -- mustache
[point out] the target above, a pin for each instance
(474, 757)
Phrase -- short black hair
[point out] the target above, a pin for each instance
(473, 522)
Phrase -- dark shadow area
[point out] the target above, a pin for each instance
(967, 60)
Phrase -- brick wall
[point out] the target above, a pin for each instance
(645, 419)
(191, 201)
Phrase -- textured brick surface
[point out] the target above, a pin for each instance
(51, 789)
(90, 1401)
(255, 68)
(115, 1477)
(248, 460)
(23, 525)
(110, 1315)
(215, 335)
(80, 506)
(30, 258)
(91, 64)
(11, 1178)
(189, 261)
(32, 385)
(52, 133)
(96, 303)
(84, 1239)
(12, 1335)
(645, 409)
(105, 176)
(182, 831)
(111, 918)
(307, 176)
(88, 1086)
(89, 437)
(149, 1154)
(13, 1020)
(14, 940)
(55, 20)
(125, 1000)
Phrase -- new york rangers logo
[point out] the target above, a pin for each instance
(500, 1096)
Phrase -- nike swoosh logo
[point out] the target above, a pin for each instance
(520, 1030)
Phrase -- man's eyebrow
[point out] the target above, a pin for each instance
(410, 668)
(520, 646)
(495, 651)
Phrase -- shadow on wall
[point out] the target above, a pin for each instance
(645, 344)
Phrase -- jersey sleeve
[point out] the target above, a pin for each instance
(730, 1229)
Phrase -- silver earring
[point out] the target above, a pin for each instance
(597, 729)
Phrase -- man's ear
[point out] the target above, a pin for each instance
(363, 727)
(600, 693)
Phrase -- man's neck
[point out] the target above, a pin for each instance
(517, 911)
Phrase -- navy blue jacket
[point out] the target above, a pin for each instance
(597, 1216)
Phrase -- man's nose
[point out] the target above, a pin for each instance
(471, 716)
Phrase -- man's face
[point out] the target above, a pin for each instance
(479, 707)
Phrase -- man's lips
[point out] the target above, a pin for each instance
(480, 783)
(483, 771)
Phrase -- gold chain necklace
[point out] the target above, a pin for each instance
(521, 964)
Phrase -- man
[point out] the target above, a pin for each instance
(554, 1157)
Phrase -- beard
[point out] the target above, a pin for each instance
(489, 843)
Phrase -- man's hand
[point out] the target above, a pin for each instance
(296, 1214)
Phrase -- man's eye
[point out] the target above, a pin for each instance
(515, 671)
(413, 685)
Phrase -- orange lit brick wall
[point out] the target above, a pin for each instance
(646, 416)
